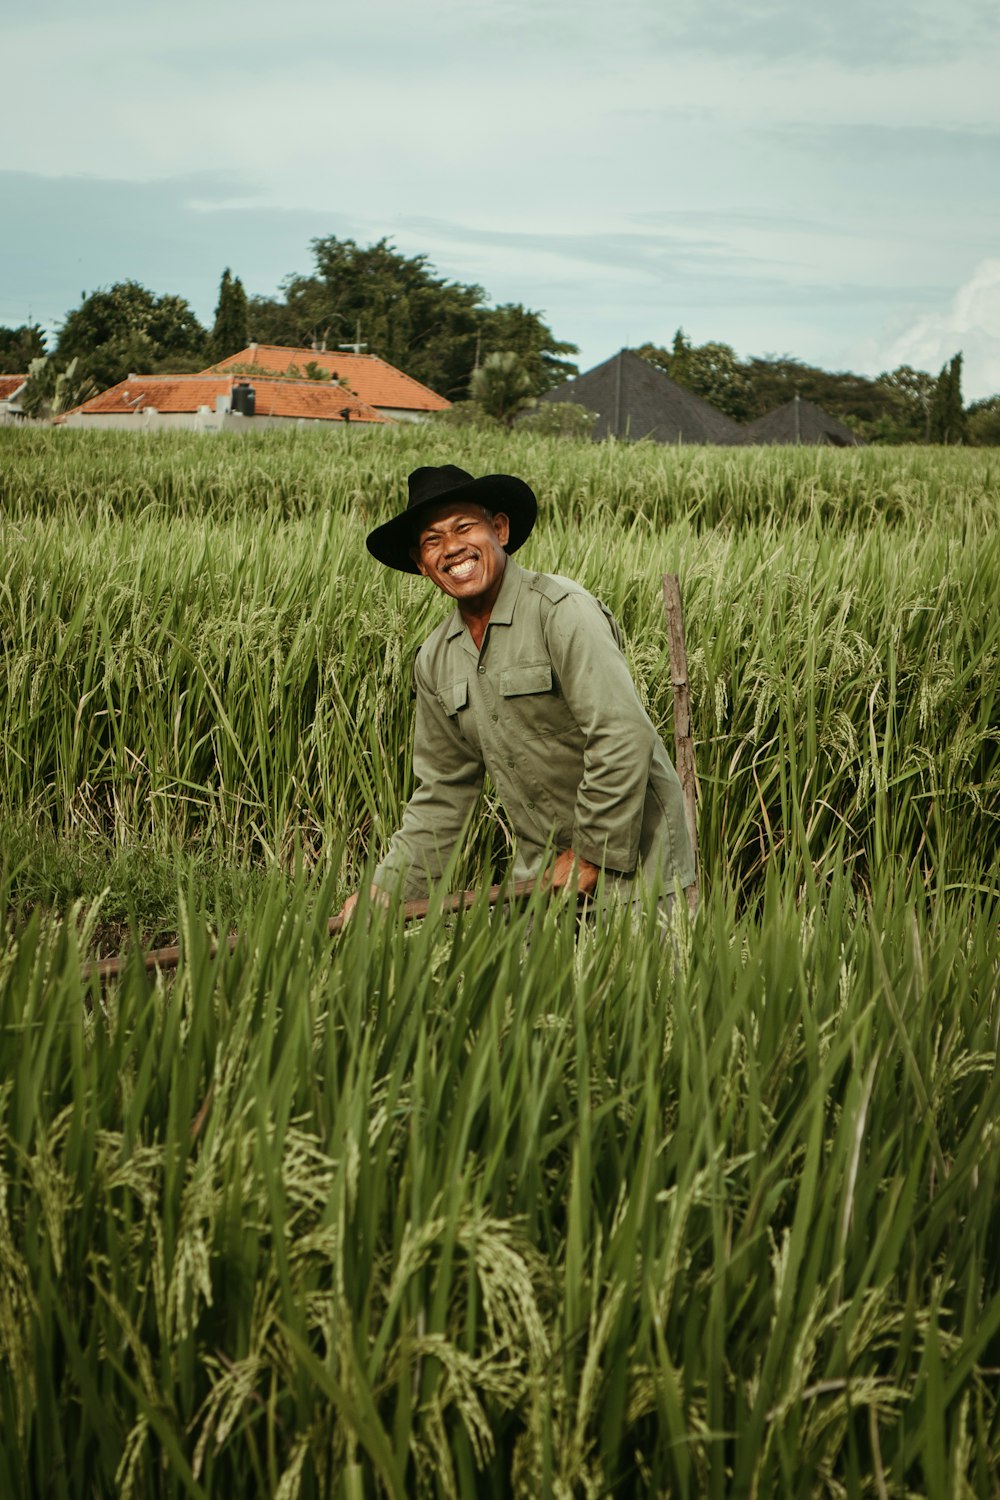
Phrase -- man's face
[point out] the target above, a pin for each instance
(460, 549)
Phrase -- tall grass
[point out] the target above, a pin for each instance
(241, 681)
(501, 1207)
(501, 1204)
(116, 474)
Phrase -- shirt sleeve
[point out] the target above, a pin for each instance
(449, 776)
(619, 738)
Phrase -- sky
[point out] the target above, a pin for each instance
(812, 180)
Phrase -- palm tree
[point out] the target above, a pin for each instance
(502, 387)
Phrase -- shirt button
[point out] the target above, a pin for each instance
(531, 807)
(494, 717)
(482, 671)
(511, 763)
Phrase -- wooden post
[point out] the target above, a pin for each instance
(682, 715)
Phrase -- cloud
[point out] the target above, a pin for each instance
(970, 325)
(723, 264)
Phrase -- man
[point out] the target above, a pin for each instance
(526, 680)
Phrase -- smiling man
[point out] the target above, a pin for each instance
(525, 680)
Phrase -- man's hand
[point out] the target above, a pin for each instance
(568, 866)
(376, 895)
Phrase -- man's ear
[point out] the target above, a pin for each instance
(501, 525)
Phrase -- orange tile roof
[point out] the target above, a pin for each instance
(311, 399)
(375, 381)
(9, 384)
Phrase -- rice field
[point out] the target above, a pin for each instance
(503, 1203)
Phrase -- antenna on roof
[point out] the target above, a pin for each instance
(357, 346)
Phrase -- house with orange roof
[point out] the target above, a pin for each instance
(381, 385)
(214, 401)
(11, 391)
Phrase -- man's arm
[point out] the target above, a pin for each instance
(620, 740)
(449, 776)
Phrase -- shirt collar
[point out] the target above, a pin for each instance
(503, 610)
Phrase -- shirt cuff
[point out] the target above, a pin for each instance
(400, 879)
(606, 855)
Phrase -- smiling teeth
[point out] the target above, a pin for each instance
(463, 569)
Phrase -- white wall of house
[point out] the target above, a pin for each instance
(206, 420)
(402, 414)
(10, 409)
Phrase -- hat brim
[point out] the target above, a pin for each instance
(391, 542)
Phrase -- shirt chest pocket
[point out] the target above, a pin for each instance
(532, 702)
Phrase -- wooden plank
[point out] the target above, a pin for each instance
(169, 958)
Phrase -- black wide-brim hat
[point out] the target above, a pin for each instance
(428, 487)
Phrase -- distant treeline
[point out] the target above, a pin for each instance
(441, 332)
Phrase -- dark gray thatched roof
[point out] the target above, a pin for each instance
(633, 400)
(800, 421)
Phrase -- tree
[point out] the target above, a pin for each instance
(19, 346)
(392, 303)
(983, 422)
(128, 328)
(396, 305)
(516, 329)
(862, 403)
(501, 387)
(54, 387)
(891, 409)
(947, 416)
(712, 371)
(230, 331)
(912, 392)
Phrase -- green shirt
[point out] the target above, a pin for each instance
(548, 708)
